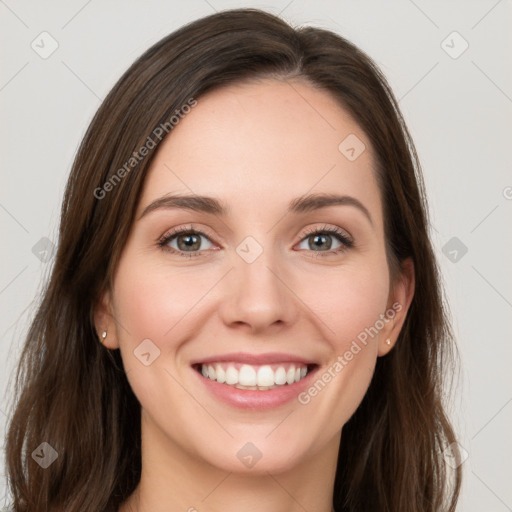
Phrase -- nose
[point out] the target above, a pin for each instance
(258, 295)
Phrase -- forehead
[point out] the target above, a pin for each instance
(264, 142)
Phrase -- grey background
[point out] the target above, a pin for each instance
(458, 110)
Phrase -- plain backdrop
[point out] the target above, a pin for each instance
(447, 61)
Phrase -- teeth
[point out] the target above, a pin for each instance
(280, 376)
(247, 376)
(231, 375)
(260, 378)
(220, 374)
(265, 376)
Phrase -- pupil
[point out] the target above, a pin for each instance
(321, 239)
(191, 242)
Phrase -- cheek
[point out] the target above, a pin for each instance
(348, 300)
(152, 300)
(364, 300)
(351, 307)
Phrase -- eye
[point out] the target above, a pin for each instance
(321, 241)
(188, 242)
(185, 240)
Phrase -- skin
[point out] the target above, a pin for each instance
(255, 146)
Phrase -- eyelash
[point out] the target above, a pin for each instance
(346, 242)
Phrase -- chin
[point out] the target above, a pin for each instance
(257, 455)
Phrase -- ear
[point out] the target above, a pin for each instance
(399, 300)
(104, 322)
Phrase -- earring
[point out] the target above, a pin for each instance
(388, 342)
(103, 336)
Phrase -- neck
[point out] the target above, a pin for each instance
(175, 479)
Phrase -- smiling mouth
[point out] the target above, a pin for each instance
(254, 377)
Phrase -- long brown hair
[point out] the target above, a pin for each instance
(72, 393)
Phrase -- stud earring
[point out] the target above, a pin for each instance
(388, 342)
(103, 336)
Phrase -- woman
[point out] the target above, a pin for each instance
(245, 306)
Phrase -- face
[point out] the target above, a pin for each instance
(255, 331)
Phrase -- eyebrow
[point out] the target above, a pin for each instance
(205, 204)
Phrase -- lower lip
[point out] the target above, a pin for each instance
(256, 400)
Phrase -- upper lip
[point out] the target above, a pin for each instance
(255, 359)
